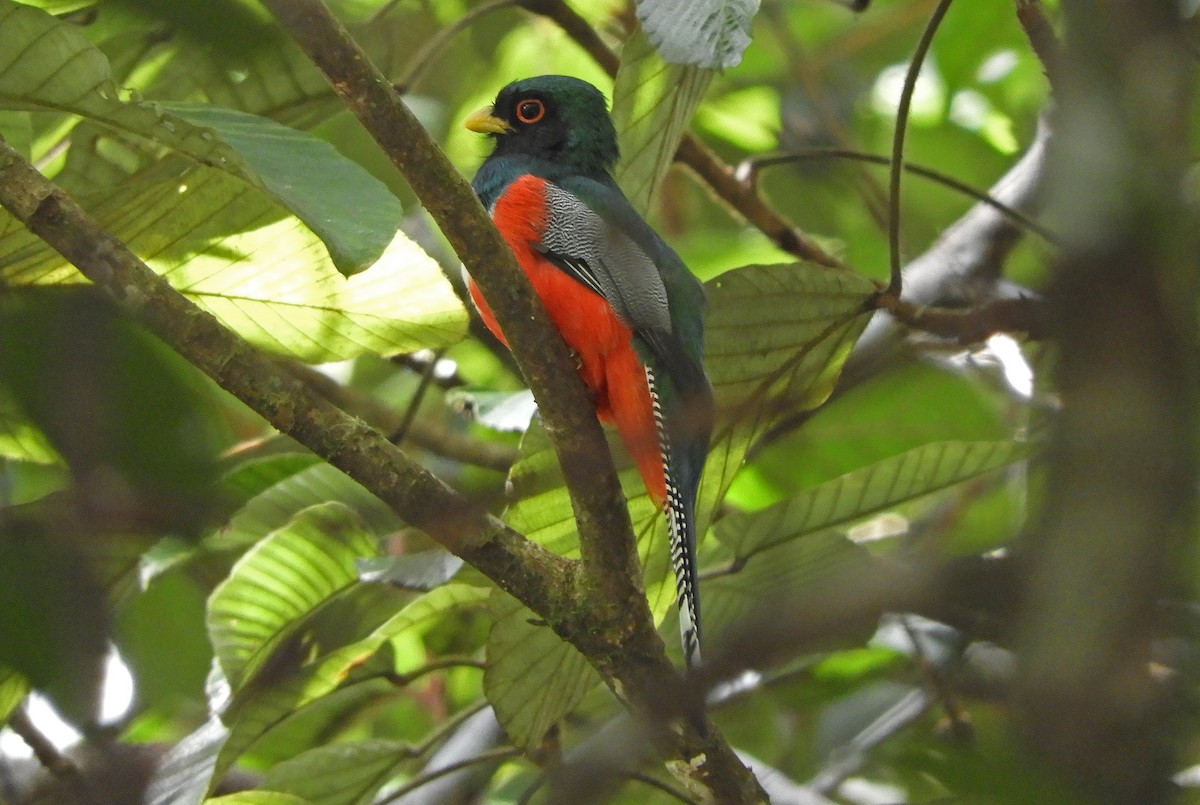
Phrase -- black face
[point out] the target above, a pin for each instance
(559, 119)
(537, 126)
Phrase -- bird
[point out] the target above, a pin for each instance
(628, 308)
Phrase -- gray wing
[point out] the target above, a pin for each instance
(602, 257)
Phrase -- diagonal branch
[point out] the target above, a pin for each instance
(543, 581)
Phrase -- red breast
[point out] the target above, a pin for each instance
(602, 344)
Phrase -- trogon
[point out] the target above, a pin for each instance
(624, 302)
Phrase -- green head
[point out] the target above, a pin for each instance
(552, 117)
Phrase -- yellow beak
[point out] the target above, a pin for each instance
(484, 122)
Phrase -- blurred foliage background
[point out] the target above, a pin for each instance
(193, 593)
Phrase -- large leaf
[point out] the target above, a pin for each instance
(293, 483)
(776, 339)
(326, 648)
(266, 276)
(789, 571)
(339, 774)
(864, 492)
(351, 211)
(708, 33)
(51, 67)
(281, 580)
(653, 103)
(533, 678)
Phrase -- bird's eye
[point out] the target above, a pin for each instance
(530, 110)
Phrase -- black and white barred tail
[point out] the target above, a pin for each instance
(681, 533)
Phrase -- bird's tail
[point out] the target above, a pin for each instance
(681, 532)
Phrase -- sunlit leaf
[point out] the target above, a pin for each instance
(258, 798)
(653, 103)
(533, 678)
(351, 211)
(326, 648)
(867, 491)
(339, 774)
(55, 68)
(19, 439)
(281, 580)
(708, 33)
(283, 486)
(266, 276)
(13, 689)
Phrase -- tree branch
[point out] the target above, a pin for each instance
(612, 625)
(542, 580)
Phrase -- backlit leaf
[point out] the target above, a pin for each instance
(53, 67)
(338, 774)
(864, 492)
(533, 678)
(652, 104)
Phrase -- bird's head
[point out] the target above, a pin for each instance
(553, 117)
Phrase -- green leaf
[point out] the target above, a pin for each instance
(788, 571)
(19, 439)
(776, 339)
(864, 492)
(324, 650)
(653, 103)
(267, 277)
(533, 678)
(54, 68)
(258, 798)
(349, 209)
(281, 487)
(279, 581)
(13, 689)
(339, 774)
(709, 33)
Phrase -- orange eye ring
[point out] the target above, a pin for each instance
(530, 110)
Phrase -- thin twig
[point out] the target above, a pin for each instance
(750, 166)
(48, 755)
(418, 395)
(1039, 31)
(440, 664)
(503, 753)
(896, 281)
(971, 325)
(435, 44)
